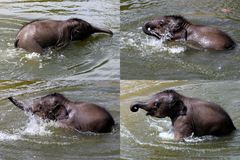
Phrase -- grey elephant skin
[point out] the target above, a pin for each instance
(188, 115)
(41, 34)
(178, 28)
(82, 116)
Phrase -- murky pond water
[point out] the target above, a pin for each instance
(25, 137)
(144, 137)
(144, 57)
(94, 58)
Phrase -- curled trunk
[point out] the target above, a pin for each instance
(136, 106)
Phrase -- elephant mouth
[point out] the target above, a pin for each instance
(40, 114)
(163, 36)
(156, 34)
(150, 30)
(151, 112)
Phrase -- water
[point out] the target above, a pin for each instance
(23, 136)
(94, 58)
(145, 137)
(145, 57)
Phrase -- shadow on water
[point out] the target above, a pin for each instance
(145, 137)
(94, 58)
(144, 57)
(23, 136)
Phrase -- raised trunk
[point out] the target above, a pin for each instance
(18, 104)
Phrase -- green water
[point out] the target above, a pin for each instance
(25, 137)
(144, 57)
(144, 137)
(94, 58)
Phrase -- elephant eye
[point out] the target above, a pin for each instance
(157, 104)
(160, 23)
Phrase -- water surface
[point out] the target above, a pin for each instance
(145, 57)
(23, 136)
(144, 137)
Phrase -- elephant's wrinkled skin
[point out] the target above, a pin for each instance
(188, 115)
(178, 28)
(82, 116)
(41, 34)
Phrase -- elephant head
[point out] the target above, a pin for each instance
(50, 107)
(163, 104)
(166, 26)
(80, 29)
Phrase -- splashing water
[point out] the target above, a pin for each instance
(160, 126)
(37, 126)
(149, 45)
(192, 139)
(169, 135)
(32, 55)
(34, 126)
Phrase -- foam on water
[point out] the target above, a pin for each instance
(192, 139)
(32, 55)
(36, 58)
(9, 137)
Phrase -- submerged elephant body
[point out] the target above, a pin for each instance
(188, 115)
(178, 28)
(41, 34)
(82, 116)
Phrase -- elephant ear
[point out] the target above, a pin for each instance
(74, 32)
(179, 108)
(59, 112)
(176, 23)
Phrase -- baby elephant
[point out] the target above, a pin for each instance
(188, 115)
(178, 28)
(40, 34)
(82, 116)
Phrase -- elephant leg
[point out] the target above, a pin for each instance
(181, 134)
(31, 46)
(182, 129)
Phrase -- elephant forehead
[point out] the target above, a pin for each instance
(44, 101)
(48, 101)
(163, 97)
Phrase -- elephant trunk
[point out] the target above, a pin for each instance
(136, 106)
(18, 104)
(146, 28)
(102, 30)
